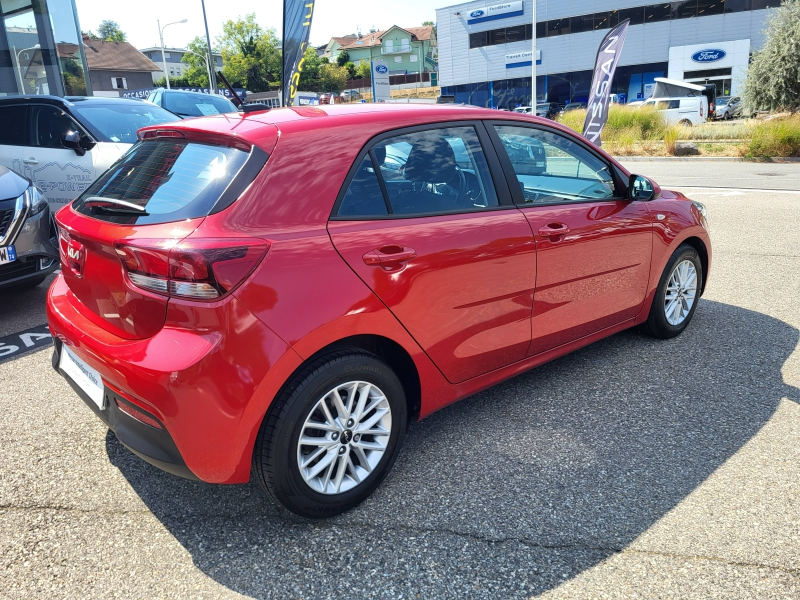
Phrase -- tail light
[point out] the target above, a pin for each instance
(195, 269)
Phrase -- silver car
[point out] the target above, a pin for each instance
(28, 246)
(728, 108)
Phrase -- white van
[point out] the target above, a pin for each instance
(681, 111)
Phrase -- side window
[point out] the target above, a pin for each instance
(551, 168)
(436, 171)
(364, 197)
(12, 133)
(50, 125)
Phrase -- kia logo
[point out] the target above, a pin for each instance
(706, 56)
(382, 69)
(76, 256)
(476, 13)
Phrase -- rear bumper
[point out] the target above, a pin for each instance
(209, 384)
(155, 446)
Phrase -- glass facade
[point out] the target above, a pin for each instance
(41, 49)
(629, 83)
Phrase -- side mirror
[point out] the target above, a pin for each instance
(72, 139)
(640, 188)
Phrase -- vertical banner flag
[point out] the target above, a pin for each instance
(297, 16)
(600, 92)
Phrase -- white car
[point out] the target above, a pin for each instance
(63, 144)
(681, 111)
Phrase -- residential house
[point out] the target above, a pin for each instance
(407, 51)
(332, 47)
(174, 60)
(116, 66)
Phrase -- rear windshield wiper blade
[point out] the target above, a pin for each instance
(113, 205)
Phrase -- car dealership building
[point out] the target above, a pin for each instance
(486, 47)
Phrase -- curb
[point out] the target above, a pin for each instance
(705, 159)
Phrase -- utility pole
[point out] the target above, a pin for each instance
(533, 58)
(212, 65)
(161, 39)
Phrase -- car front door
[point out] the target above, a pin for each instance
(59, 173)
(593, 245)
(424, 225)
(13, 136)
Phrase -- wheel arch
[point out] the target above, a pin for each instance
(702, 251)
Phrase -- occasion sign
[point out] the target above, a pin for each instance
(496, 11)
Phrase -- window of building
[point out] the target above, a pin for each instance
(478, 40)
(684, 10)
(582, 23)
(558, 27)
(706, 8)
(119, 83)
(606, 20)
(167, 55)
(762, 4)
(658, 12)
(515, 34)
(732, 6)
(636, 15)
(398, 59)
(497, 36)
(413, 58)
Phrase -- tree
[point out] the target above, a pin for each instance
(343, 58)
(364, 70)
(309, 76)
(351, 69)
(197, 59)
(332, 78)
(428, 24)
(110, 32)
(773, 78)
(251, 54)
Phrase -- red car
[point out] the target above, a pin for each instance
(232, 303)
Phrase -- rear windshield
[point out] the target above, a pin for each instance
(197, 105)
(170, 180)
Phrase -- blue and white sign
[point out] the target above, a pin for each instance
(522, 59)
(380, 81)
(145, 92)
(495, 11)
(707, 56)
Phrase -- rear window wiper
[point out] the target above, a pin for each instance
(116, 206)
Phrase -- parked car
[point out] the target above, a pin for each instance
(64, 144)
(525, 110)
(28, 250)
(191, 104)
(686, 111)
(728, 107)
(350, 96)
(326, 98)
(573, 106)
(222, 320)
(548, 110)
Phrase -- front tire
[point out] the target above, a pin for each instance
(676, 297)
(332, 435)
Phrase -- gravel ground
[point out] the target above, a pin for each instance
(632, 468)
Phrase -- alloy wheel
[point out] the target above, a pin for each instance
(681, 292)
(344, 437)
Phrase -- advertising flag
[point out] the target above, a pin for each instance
(297, 16)
(600, 92)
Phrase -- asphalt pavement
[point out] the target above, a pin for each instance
(633, 468)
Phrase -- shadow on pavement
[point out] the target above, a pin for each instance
(512, 491)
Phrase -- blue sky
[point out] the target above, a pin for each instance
(332, 18)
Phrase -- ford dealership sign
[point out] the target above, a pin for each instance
(382, 69)
(707, 56)
(496, 11)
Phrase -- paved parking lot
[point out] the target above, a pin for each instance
(632, 468)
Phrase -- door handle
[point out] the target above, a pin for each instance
(30, 161)
(554, 230)
(389, 256)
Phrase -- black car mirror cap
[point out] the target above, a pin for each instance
(640, 188)
(72, 139)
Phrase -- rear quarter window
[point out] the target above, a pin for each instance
(171, 181)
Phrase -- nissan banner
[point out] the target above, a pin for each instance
(297, 16)
(600, 92)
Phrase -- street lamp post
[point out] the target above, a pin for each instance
(17, 54)
(212, 76)
(208, 68)
(161, 38)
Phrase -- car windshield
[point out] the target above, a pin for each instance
(722, 101)
(542, 106)
(197, 105)
(120, 122)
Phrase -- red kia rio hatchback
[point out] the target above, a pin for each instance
(233, 301)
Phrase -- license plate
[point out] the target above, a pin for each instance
(7, 255)
(85, 376)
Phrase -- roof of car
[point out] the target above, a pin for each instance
(67, 101)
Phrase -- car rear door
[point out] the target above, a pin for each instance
(13, 138)
(593, 245)
(426, 221)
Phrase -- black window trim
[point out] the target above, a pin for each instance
(27, 124)
(499, 179)
(620, 186)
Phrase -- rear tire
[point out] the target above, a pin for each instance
(676, 296)
(685, 123)
(318, 455)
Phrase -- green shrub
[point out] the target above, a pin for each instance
(776, 137)
(622, 121)
(573, 119)
(671, 137)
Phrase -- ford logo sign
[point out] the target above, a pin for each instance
(476, 13)
(382, 69)
(706, 56)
